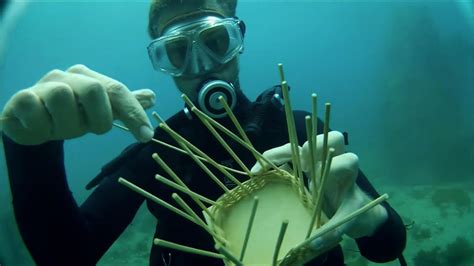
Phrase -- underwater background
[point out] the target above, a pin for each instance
(399, 76)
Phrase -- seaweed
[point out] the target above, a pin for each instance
(428, 258)
(458, 252)
(457, 197)
(421, 233)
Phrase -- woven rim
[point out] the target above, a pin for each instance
(256, 183)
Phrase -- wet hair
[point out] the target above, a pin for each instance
(158, 8)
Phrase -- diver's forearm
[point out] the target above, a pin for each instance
(46, 213)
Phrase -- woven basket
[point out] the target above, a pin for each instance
(280, 198)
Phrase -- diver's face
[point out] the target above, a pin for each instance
(190, 85)
(226, 72)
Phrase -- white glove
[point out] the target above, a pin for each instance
(342, 196)
(69, 104)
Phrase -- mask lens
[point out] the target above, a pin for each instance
(197, 47)
(216, 39)
(176, 49)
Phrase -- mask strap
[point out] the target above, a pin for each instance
(242, 26)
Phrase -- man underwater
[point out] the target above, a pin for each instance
(198, 43)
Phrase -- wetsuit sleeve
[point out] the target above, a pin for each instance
(54, 228)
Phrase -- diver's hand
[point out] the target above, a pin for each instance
(363, 225)
(342, 195)
(68, 104)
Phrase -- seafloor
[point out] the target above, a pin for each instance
(439, 220)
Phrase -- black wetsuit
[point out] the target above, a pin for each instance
(58, 232)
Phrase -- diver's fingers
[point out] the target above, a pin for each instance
(130, 112)
(344, 168)
(91, 110)
(282, 154)
(27, 120)
(278, 156)
(124, 104)
(341, 177)
(145, 97)
(59, 100)
(327, 240)
(334, 236)
(364, 224)
(67, 104)
(335, 140)
(94, 104)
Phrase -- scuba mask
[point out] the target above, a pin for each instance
(194, 48)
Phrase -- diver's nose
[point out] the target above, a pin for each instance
(200, 62)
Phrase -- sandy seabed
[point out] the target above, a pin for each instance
(439, 219)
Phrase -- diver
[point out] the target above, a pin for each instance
(198, 44)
